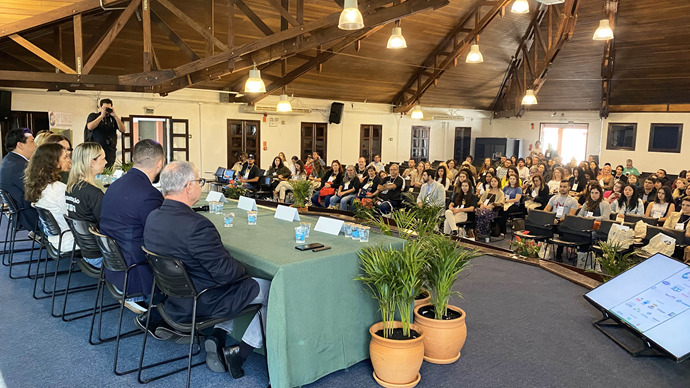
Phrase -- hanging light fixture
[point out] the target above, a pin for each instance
(397, 40)
(520, 6)
(530, 98)
(474, 56)
(254, 83)
(284, 104)
(417, 113)
(604, 32)
(350, 18)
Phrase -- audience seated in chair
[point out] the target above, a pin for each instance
(347, 191)
(19, 143)
(329, 183)
(390, 191)
(249, 175)
(460, 209)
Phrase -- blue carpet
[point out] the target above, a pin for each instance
(526, 328)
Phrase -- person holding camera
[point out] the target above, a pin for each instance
(102, 126)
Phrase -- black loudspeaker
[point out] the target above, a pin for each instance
(336, 113)
(5, 103)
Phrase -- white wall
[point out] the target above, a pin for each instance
(644, 160)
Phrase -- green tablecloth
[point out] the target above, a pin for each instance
(318, 316)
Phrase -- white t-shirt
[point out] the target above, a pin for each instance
(53, 200)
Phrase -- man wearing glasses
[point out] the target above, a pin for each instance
(126, 204)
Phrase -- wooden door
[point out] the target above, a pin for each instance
(462, 143)
(180, 139)
(243, 136)
(314, 138)
(370, 141)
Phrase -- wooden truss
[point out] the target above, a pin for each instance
(607, 62)
(446, 54)
(295, 37)
(551, 28)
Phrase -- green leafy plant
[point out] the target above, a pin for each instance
(362, 212)
(613, 260)
(446, 260)
(108, 170)
(525, 247)
(234, 192)
(301, 191)
(406, 222)
(409, 265)
(427, 217)
(124, 166)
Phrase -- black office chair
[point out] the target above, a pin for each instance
(114, 262)
(12, 211)
(574, 232)
(172, 279)
(539, 226)
(633, 218)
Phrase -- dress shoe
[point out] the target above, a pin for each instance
(233, 360)
(214, 360)
(140, 321)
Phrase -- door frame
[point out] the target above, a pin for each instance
(228, 151)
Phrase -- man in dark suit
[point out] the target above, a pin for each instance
(20, 145)
(126, 204)
(175, 230)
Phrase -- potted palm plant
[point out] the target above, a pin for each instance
(393, 278)
(443, 324)
(614, 260)
(301, 191)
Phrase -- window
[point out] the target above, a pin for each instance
(568, 140)
(621, 136)
(370, 141)
(665, 137)
(420, 143)
(314, 137)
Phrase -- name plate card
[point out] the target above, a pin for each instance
(329, 225)
(215, 196)
(286, 213)
(246, 203)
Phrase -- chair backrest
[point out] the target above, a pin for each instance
(9, 201)
(112, 255)
(540, 218)
(652, 231)
(576, 228)
(633, 218)
(48, 223)
(170, 275)
(86, 241)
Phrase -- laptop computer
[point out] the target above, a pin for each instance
(228, 175)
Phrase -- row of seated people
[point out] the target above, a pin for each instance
(135, 213)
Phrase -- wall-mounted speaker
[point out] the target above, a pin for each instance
(336, 113)
(5, 104)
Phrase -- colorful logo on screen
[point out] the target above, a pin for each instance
(686, 275)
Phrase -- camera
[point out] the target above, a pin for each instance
(108, 110)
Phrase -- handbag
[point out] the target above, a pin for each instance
(326, 191)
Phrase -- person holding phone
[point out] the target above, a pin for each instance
(102, 126)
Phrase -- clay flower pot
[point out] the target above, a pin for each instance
(443, 339)
(396, 362)
(423, 301)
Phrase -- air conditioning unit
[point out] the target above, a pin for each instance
(444, 118)
(551, 2)
(271, 109)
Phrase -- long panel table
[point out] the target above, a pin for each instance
(318, 316)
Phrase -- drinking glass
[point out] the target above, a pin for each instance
(300, 234)
(364, 233)
(355, 232)
(251, 217)
(307, 225)
(348, 229)
(227, 219)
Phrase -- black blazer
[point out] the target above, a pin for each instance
(12, 180)
(176, 230)
(336, 182)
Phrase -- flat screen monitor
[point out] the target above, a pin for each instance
(653, 300)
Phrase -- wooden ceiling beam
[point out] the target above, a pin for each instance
(284, 13)
(48, 77)
(313, 63)
(95, 40)
(193, 24)
(431, 69)
(173, 37)
(110, 36)
(78, 43)
(608, 60)
(230, 11)
(508, 101)
(254, 18)
(146, 33)
(65, 12)
(42, 54)
(283, 44)
(19, 62)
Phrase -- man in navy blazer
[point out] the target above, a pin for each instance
(20, 145)
(176, 230)
(126, 204)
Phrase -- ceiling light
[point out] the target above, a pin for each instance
(284, 104)
(474, 56)
(520, 6)
(350, 18)
(417, 113)
(604, 32)
(397, 40)
(551, 2)
(530, 98)
(254, 83)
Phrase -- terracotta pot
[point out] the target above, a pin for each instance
(443, 339)
(420, 302)
(396, 362)
(300, 209)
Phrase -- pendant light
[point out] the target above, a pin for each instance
(350, 18)
(254, 83)
(530, 98)
(474, 55)
(604, 32)
(417, 113)
(520, 6)
(397, 40)
(284, 104)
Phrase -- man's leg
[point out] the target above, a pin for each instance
(110, 155)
